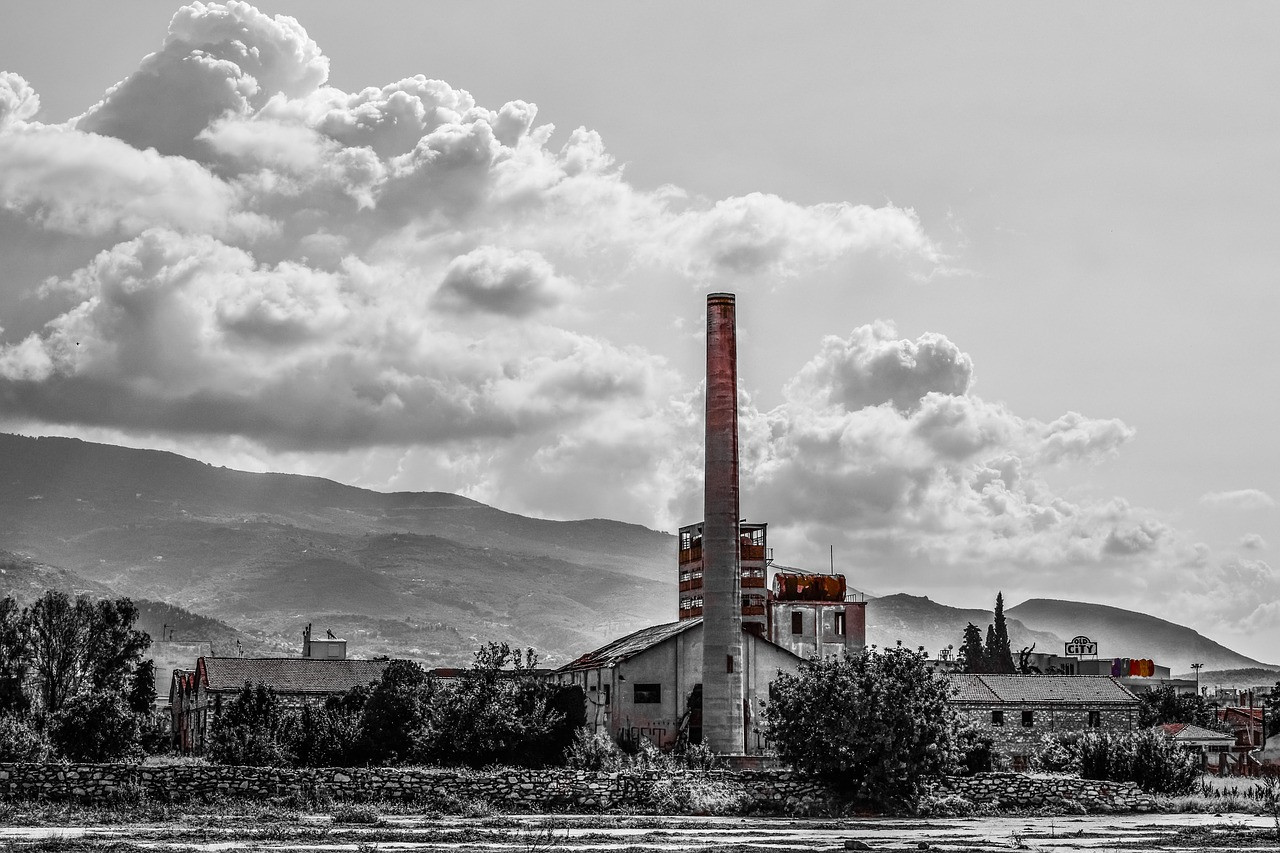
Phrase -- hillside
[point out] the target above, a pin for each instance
(918, 621)
(423, 574)
(1126, 633)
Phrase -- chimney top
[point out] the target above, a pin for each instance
(720, 297)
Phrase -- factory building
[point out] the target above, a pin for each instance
(706, 676)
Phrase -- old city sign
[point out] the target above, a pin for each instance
(1081, 646)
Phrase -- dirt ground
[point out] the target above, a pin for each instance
(1226, 832)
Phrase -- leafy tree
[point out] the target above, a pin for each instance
(972, 656)
(142, 688)
(871, 726)
(21, 741)
(96, 727)
(498, 713)
(15, 660)
(394, 714)
(80, 646)
(329, 736)
(251, 730)
(1163, 704)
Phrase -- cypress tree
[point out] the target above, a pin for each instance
(1002, 659)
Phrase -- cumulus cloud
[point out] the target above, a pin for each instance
(490, 279)
(873, 366)
(18, 101)
(1253, 542)
(1245, 499)
(391, 278)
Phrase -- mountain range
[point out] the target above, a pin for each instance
(235, 557)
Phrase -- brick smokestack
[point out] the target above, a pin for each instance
(722, 692)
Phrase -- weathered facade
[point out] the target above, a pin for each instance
(1018, 710)
(194, 695)
(648, 685)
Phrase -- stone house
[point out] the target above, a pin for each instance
(1018, 710)
(195, 694)
(647, 685)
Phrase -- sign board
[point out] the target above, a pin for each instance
(1081, 646)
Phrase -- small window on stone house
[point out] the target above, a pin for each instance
(1095, 719)
(797, 623)
(1028, 719)
(997, 718)
(839, 624)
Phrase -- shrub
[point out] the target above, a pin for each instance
(96, 727)
(1155, 763)
(594, 751)
(19, 741)
(1057, 753)
(251, 730)
(871, 726)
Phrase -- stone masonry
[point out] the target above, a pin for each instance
(517, 790)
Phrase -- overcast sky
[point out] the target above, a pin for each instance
(1007, 273)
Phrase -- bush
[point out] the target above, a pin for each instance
(874, 727)
(19, 741)
(594, 751)
(1148, 758)
(97, 727)
(1057, 753)
(251, 730)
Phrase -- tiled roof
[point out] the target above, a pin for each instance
(631, 645)
(1186, 731)
(1038, 689)
(289, 675)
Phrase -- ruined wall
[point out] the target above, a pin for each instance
(1013, 791)
(525, 790)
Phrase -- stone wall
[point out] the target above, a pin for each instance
(1014, 738)
(531, 790)
(513, 790)
(1015, 791)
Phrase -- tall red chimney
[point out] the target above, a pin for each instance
(723, 727)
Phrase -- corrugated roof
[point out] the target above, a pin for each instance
(289, 675)
(1035, 689)
(631, 645)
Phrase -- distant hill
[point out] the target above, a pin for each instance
(919, 621)
(1251, 677)
(1127, 633)
(426, 574)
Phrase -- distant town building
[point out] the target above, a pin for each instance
(1017, 710)
(1212, 746)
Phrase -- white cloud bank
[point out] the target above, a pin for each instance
(1246, 499)
(382, 285)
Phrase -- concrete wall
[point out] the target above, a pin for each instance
(818, 637)
(675, 665)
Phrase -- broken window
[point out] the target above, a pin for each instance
(997, 718)
(1028, 719)
(647, 694)
(797, 623)
(1095, 719)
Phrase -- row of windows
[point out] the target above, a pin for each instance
(837, 622)
(1029, 719)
